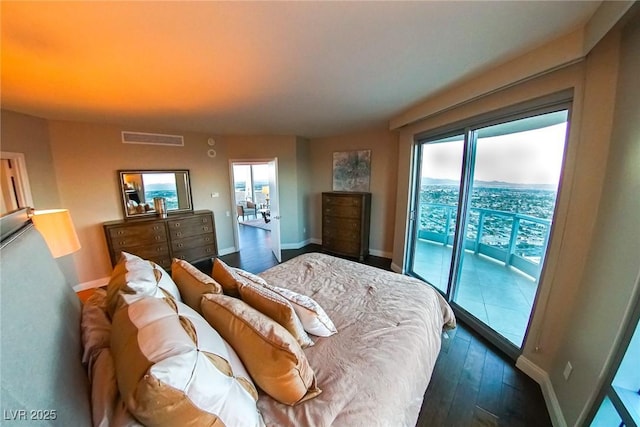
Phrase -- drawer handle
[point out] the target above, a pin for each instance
(177, 224)
(157, 238)
(155, 227)
(178, 234)
(205, 228)
(208, 250)
(180, 245)
(181, 256)
(120, 233)
(158, 249)
(122, 242)
(204, 220)
(206, 239)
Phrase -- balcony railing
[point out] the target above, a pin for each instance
(515, 239)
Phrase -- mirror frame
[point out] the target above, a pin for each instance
(152, 212)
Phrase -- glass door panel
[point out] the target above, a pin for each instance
(515, 173)
(436, 209)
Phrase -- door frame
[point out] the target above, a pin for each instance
(23, 187)
(275, 236)
(559, 101)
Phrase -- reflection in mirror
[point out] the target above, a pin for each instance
(140, 188)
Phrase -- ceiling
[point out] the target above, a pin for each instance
(311, 69)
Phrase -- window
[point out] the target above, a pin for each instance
(621, 401)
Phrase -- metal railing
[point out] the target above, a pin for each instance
(515, 239)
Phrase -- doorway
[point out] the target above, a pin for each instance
(14, 182)
(482, 209)
(256, 206)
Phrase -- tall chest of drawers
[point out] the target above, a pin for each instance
(191, 237)
(345, 223)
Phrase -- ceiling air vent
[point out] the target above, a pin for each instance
(152, 139)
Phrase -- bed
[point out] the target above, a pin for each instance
(372, 372)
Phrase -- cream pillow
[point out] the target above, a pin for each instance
(313, 317)
(277, 308)
(272, 356)
(249, 276)
(134, 276)
(226, 276)
(165, 281)
(173, 369)
(192, 283)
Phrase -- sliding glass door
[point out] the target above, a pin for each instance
(484, 201)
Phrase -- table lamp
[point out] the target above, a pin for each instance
(265, 191)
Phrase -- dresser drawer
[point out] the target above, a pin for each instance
(336, 233)
(345, 247)
(186, 227)
(343, 211)
(341, 223)
(337, 200)
(196, 253)
(192, 242)
(158, 253)
(136, 235)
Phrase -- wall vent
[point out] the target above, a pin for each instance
(152, 139)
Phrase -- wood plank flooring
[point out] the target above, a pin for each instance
(473, 384)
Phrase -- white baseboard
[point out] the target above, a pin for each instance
(395, 267)
(103, 281)
(382, 254)
(298, 245)
(541, 377)
(315, 241)
(227, 251)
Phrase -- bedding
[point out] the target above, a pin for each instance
(373, 369)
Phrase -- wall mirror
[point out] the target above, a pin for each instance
(139, 188)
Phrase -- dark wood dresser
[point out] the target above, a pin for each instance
(191, 237)
(345, 223)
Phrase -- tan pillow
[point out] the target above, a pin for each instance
(173, 369)
(226, 276)
(272, 356)
(276, 307)
(313, 317)
(192, 283)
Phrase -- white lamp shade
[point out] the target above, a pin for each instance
(56, 227)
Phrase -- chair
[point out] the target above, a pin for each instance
(247, 209)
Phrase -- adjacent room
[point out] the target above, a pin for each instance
(452, 184)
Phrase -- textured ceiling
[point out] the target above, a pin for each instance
(289, 68)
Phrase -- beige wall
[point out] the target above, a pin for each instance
(74, 165)
(384, 148)
(612, 268)
(30, 135)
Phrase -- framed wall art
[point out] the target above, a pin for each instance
(351, 170)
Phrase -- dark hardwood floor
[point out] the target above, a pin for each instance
(473, 383)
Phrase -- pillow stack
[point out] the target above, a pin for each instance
(171, 367)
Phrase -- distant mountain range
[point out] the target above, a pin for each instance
(489, 184)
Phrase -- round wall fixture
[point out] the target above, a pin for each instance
(211, 142)
(211, 153)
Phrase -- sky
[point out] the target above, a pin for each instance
(530, 157)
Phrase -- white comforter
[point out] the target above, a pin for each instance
(375, 370)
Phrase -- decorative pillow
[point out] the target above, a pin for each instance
(133, 275)
(311, 314)
(226, 276)
(192, 283)
(173, 369)
(164, 280)
(272, 356)
(249, 276)
(276, 307)
(107, 407)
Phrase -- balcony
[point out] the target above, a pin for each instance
(501, 263)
